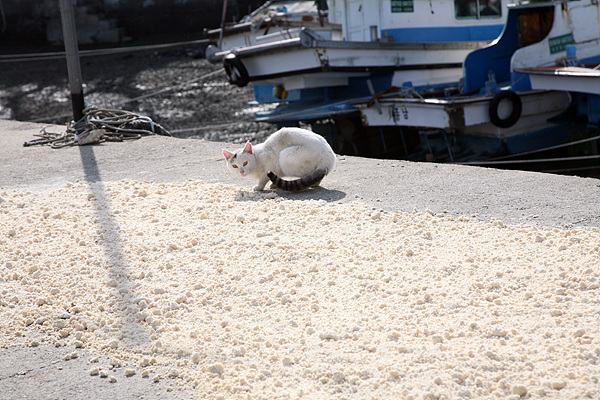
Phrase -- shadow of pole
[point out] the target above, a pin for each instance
(110, 237)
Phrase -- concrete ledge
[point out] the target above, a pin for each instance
(514, 197)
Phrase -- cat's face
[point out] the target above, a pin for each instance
(242, 162)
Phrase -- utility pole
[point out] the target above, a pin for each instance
(72, 52)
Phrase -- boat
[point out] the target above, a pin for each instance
(519, 95)
(314, 77)
(271, 22)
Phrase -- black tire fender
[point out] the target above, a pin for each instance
(236, 71)
(517, 108)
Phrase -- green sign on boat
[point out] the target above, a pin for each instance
(559, 43)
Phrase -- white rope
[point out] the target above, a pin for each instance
(100, 125)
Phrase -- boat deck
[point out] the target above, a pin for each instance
(576, 79)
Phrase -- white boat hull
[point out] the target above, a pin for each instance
(471, 115)
(571, 79)
(309, 62)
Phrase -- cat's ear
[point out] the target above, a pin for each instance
(248, 148)
(227, 154)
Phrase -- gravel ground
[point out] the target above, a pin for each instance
(160, 275)
(245, 295)
(188, 103)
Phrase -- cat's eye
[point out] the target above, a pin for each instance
(245, 163)
(234, 166)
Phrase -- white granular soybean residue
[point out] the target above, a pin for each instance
(245, 295)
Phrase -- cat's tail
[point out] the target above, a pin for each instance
(312, 179)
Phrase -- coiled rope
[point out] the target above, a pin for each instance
(100, 125)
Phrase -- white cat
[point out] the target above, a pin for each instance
(289, 152)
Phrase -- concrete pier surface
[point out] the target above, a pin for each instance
(514, 197)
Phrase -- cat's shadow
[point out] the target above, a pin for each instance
(319, 193)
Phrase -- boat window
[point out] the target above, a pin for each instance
(535, 25)
(476, 9)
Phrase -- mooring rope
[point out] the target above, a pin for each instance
(6, 58)
(100, 125)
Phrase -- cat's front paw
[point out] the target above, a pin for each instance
(259, 188)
